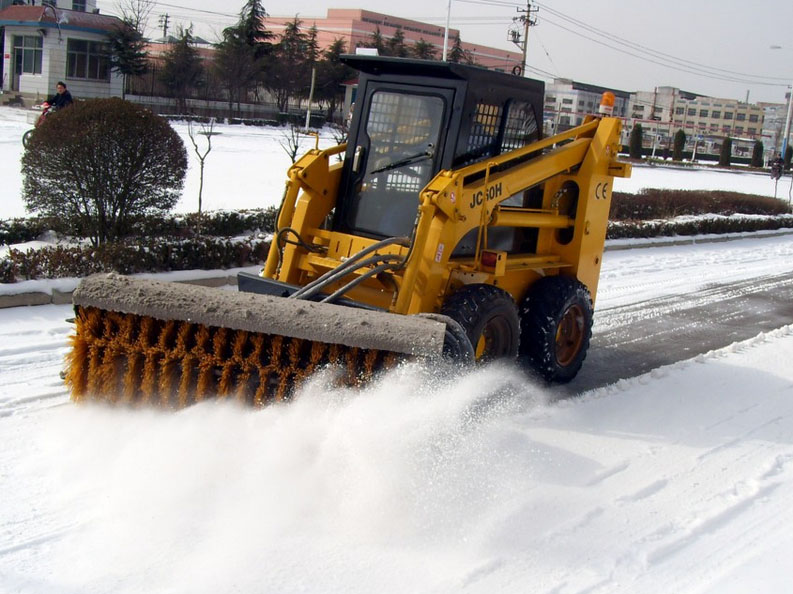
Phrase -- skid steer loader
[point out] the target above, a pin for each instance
(449, 229)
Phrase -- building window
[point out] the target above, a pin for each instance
(738, 130)
(753, 117)
(87, 59)
(679, 110)
(727, 115)
(703, 113)
(715, 114)
(27, 54)
(740, 117)
(567, 101)
(78, 5)
(692, 111)
(752, 131)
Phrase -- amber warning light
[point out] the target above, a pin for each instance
(607, 103)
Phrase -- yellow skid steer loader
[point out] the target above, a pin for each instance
(450, 229)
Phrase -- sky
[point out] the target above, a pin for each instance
(716, 48)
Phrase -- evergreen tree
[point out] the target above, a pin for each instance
(635, 142)
(331, 73)
(757, 154)
(376, 41)
(127, 52)
(289, 69)
(679, 145)
(725, 155)
(424, 50)
(235, 66)
(251, 27)
(457, 54)
(396, 45)
(182, 68)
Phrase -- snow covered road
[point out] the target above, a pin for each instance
(678, 480)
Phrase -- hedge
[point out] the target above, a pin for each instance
(153, 255)
(215, 223)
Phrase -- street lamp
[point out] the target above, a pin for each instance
(787, 118)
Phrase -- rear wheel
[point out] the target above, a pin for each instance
(556, 326)
(490, 320)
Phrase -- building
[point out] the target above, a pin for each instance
(63, 40)
(665, 110)
(567, 102)
(356, 26)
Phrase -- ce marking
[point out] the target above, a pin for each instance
(601, 190)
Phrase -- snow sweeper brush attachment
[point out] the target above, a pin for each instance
(167, 344)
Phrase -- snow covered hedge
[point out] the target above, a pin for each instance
(688, 225)
(214, 224)
(151, 255)
(650, 204)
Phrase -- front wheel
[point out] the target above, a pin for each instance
(556, 326)
(490, 320)
(26, 138)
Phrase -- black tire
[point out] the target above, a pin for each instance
(26, 138)
(456, 346)
(490, 320)
(556, 326)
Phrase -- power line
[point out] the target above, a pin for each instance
(650, 51)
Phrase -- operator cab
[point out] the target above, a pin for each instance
(414, 118)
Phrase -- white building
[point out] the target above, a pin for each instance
(56, 41)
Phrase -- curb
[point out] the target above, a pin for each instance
(692, 241)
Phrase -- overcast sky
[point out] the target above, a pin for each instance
(712, 47)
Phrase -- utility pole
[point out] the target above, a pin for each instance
(164, 24)
(521, 38)
(446, 30)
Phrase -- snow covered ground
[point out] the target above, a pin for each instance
(679, 480)
(676, 481)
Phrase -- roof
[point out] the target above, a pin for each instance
(380, 65)
(47, 16)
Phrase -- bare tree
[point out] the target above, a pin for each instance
(207, 131)
(136, 13)
(291, 139)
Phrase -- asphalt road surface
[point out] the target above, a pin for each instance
(631, 340)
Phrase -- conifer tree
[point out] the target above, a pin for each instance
(635, 142)
(127, 52)
(679, 145)
(757, 154)
(725, 155)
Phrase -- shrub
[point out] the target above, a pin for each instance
(665, 204)
(635, 142)
(725, 155)
(757, 154)
(101, 162)
(155, 255)
(679, 145)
